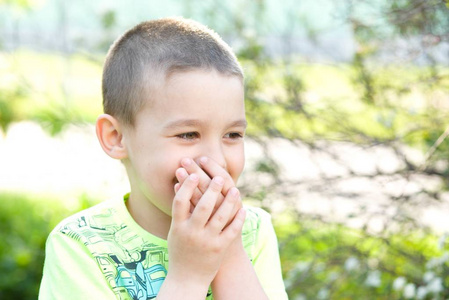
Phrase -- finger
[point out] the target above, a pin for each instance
(195, 198)
(181, 202)
(181, 175)
(192, 207)
(205, 206)
(193, 168)
(226, 212)
(234, 230)
(212, 168)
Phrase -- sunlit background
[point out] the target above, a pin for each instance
(348, 110)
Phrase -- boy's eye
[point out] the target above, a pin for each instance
(234, 135)
(188, 135)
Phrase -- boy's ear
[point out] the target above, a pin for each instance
(110, 135)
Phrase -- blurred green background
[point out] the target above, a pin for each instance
(348, 110)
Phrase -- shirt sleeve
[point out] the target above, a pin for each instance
(266, 259)
(70, 272)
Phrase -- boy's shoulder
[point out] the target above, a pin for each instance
(102, 216)
(257, 224)
(256, 212)
(255, 216)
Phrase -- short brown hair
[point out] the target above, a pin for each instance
(159, 48)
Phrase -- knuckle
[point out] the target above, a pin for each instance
(231, 199)
(235, 230)
(191, 239)
(192, 182)
(177, 201)
(202, 207)
(215, 247)
(203, 185)
(220, 219)
(215, 187)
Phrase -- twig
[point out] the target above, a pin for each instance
(434, 148)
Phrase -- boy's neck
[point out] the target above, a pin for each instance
(148, 216)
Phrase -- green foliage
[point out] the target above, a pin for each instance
(56, 117)
(364, 108)
(331, 261)
(27, 94)
(11, 100)
(25, 225)
(26, 222)
(412, 17)
(108, 19)
(21, 4)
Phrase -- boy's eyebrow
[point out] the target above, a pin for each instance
(182, 123)
(239, 123)
(193, 123)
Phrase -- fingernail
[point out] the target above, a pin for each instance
(181, 173)
(219, 180)
(186, 162)
(234, 192)
(194, 177)
(203, 160)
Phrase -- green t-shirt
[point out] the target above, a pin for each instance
(102, 253)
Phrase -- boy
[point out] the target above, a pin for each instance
(174, 115)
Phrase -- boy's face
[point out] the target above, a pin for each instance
(193, 114)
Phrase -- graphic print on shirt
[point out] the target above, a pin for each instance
(133, 267)
(141, 283)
